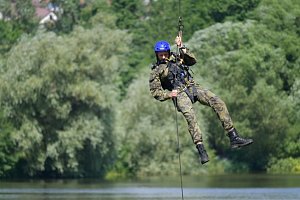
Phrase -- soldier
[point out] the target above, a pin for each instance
(170, 79)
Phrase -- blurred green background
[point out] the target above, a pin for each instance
(74, 96)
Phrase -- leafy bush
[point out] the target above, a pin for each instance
(284, 166)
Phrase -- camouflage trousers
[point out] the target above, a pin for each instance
(205, 97)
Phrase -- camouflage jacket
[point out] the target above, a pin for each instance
(159, 81)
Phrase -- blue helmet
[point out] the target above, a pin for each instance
(162, 46)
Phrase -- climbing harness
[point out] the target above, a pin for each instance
(180, 79)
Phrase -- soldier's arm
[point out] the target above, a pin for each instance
(188, 57)
(156, 89)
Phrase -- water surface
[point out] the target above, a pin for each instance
(234, 187)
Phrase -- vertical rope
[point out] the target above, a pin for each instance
(179, 8)
(180, 27)
(178, 146)
(175, 103)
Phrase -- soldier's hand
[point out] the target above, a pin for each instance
(173, 93)
(178, 41)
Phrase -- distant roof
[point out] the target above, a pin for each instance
(35, 2)
(40, 11)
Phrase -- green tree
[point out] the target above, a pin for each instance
(59, 92)
(283, 19)
(7, 147)
(20, 12)
(19, 18)
(72, 13)
(9, 33)
(245, 70)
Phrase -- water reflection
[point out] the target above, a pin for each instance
(154, 193)
(255, 187)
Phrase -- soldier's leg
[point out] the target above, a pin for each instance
(206, 97)
(185, 106)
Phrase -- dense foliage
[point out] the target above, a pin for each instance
(58, 94)
(75, 101)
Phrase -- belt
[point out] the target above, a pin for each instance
(185, 86)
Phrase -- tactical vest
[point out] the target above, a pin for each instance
(179, 78)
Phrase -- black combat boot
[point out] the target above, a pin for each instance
(202, 152)
(236, 141)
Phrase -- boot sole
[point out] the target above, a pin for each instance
(204, 161)
(235, 146)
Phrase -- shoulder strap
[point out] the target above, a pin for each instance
(154, 65)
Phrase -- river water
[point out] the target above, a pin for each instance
(233, 187)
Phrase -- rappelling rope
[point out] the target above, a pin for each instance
(180, 29)
(178, 146)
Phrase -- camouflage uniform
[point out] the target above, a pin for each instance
(159, 82)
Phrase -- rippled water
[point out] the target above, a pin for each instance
(153, 193)
(232, 187)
